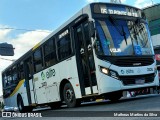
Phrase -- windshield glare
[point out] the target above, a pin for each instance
(122, 38)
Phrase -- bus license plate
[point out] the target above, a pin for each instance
(140, 81)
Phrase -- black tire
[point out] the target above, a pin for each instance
(115, 96)
(69, 96)
(21, 106)
(29, 109)
(55, 105)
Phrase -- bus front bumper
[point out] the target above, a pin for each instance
(108, 84)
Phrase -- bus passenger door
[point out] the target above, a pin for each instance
(28, 66)
(85, 59)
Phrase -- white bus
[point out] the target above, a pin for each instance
(101, 51)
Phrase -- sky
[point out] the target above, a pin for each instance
(42, 16)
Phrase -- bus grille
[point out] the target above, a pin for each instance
(131, 80)
(129, 62)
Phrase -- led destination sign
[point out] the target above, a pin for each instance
(117, 10)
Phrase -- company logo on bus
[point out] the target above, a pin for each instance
(42, 76)
(128, 71)
(50, 73)
(122, 71)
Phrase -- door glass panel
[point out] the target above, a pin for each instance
(90, 55)
(83, 56)
(85, 59)
(86, 33)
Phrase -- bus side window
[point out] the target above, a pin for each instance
(10, 77)
(38, 66)
(30, 68)
(15, 76)
(7, 79)
(4, 80)
(20, 72)
(86, 32)
(64, 47)
(50, 56)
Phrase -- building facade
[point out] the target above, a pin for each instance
(153, 16)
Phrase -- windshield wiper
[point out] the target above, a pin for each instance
(115, 24)
(137, 27)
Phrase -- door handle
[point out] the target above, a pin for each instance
(82, 50)
(89, 47)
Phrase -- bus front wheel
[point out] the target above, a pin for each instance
(115, 96)
(55, 105)
(69, 96)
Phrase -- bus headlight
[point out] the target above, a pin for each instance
(108, 72)
(104, 70)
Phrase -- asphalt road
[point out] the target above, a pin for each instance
(105, 110)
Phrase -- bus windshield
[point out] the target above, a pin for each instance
(117, 37)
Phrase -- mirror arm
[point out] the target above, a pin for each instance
(94, 40)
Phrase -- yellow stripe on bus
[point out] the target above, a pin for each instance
(17, 87)
(36, 46)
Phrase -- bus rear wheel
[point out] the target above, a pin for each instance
(21, 106)
(69, 96)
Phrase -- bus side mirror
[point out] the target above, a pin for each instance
(94, 43)
(91, 29)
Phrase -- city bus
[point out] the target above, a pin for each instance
(102, 51)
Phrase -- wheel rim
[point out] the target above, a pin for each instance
(69, 95)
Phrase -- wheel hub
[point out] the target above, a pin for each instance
(69, 95)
